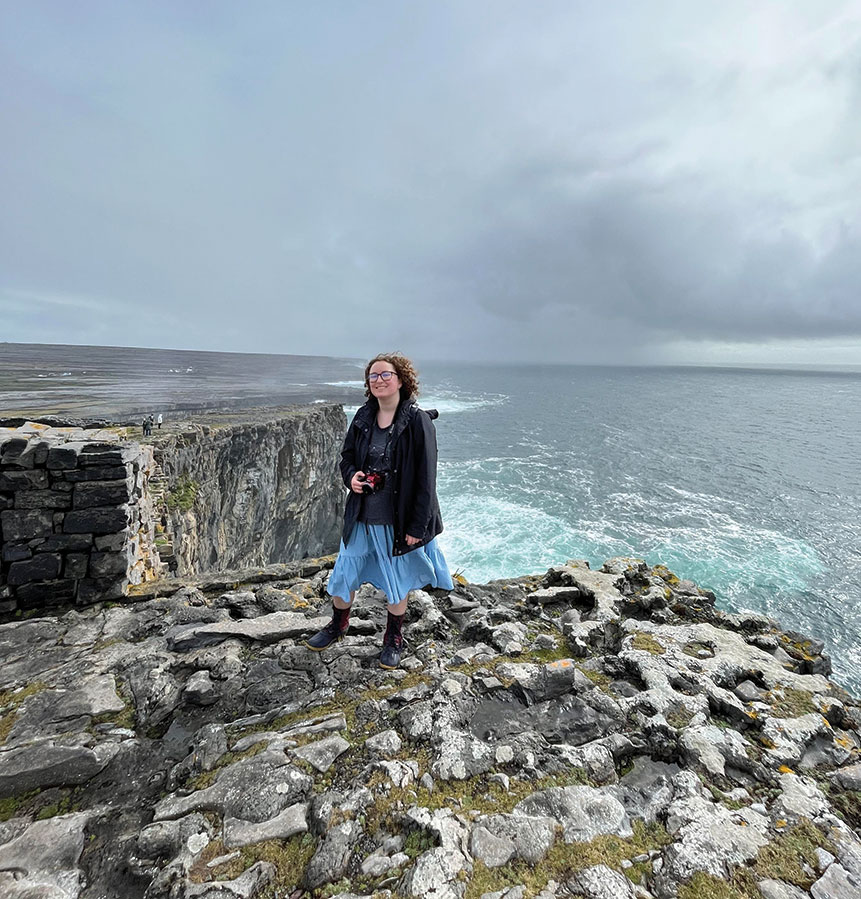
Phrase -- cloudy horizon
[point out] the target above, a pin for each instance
(496, 181)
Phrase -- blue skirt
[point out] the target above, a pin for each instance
(368, 559)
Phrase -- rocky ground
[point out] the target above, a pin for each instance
(605, 734)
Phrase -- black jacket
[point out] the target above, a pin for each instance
(413, 460)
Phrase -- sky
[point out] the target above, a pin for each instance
(531, 181)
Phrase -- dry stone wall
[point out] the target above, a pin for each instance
(76, 524)
(85, 515)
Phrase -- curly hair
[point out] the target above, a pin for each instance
(405, 371)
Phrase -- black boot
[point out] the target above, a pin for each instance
(393, 642)
(332, 632)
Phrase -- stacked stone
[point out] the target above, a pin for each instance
(72, 524)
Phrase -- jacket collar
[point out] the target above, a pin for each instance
(404, 412)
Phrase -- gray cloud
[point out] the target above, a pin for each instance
(454, 179)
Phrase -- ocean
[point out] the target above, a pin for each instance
(743, 480)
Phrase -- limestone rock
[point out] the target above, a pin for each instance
(288, 823)
(46, 855)
(253, 789)
(38, 765)
(601, 882)
(583, 812)
(322, 753)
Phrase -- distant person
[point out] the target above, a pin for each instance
(392, 515)
(159, 420)
(145, 427)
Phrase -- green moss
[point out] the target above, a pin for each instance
(12, 805)
(694, 648)
(565, 858)
(12, 700)
(62, 806)
(39, 804)
(705, 886)
(181, 497)
(679, 716)
(792, 703)
(290, 858)
(476, 793)
(648, 643)
(601, 680)
(208, 778)
(719, 796)
(124, 718)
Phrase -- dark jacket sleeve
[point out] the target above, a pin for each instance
(424, 446)
(348, 465)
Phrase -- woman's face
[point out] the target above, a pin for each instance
(380, 387)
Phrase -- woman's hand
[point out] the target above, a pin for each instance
(357, 481)
(412, 541)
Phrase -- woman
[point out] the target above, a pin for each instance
(392, 515)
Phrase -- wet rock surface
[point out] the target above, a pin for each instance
(582, 733)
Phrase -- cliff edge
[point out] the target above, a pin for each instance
(604, 734)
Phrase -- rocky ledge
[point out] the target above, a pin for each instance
(605, 734)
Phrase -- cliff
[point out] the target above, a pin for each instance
(604, 734)
(242, 492)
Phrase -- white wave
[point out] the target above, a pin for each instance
(449, 405)
(490, 537)
(496, 531)
(359, 385)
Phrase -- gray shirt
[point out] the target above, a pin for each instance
(377, 507)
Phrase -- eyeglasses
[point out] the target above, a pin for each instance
(385, 375)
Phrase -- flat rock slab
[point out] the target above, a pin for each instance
(254, 789)
(291, 821)
(38, 765)
(48, 710)
(47, 853)
(836, 883)
(584, 812)
(323, 753)
(601, 882)
(270, 628)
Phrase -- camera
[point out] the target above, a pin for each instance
(374, 482)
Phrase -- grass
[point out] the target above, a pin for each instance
(40, 804)
(12, 701)
(846, 803)
(290, 858)
(782, 859)
(648, 643)
(181, 497)
(565, 858)
(792, 703)
(208, 778)
(473, 794)
(679, 716)
(705, 886)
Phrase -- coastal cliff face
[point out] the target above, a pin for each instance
(597, 734)
(248, 494)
